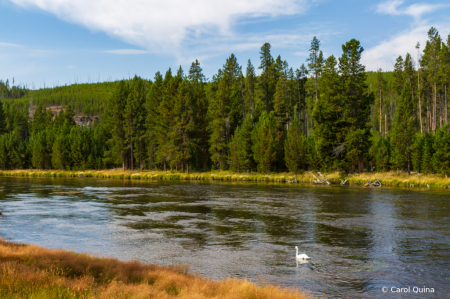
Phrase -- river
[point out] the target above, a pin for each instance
(359, 240)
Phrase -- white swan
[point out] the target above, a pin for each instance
(300, 256)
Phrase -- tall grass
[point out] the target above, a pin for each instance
(28, 271)
(386, 178)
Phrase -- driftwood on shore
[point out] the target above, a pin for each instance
(376, 183)
(322, 179)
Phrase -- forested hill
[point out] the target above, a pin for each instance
(86, 99)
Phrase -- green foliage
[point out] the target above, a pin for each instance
(441, 157)
(296, 149)
(265, 143)
(404, 129)
(428, 152)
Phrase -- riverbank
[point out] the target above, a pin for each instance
(29, 271)
(386, 178)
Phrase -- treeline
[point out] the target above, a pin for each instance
(326, 115)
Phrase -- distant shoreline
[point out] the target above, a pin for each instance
(385, 178)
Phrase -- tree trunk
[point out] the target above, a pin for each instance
(420, 102)
(385, 125)
(182, 166)
(131, 145)
(409, 166)
(165, 168)
(445, 105)
(381, 118)
(187, 167)
(434, 120)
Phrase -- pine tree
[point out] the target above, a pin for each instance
(428, 152)
(380, 91)
(154, 98)
(315, 60)
(219, 113)
(182, 133)
(330, 126)
(116, 122)
(295, 148)
(441, 157)
(403, 130)
(417, 152)
(398, 75)
(250, 82)
(3, 128)
(265, 143)
(134, 121)
(266, 77)
(430, 62)
(234, 152)
(358, 101)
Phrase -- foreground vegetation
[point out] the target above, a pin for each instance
(392, 178)
(28, 271)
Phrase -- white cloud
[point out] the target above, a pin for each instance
(162, 26)
(414, 10)
(383, 55)
(8, 45)
(126, 51)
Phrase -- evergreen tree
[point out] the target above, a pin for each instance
(330, 126)
(154, 98)
(219, 112)
(441, 157)
(241, 154)
(398, 75)
(134, 121)
(430, 63)
(428, 152)
(250, 82)
(200, 102)
(3, 128)
(116, 124)
(404, 129)
(183, 129)
(266, 77)
(315, 62)
(265, 143)
(295, 148)
(358, 102)
(417, 152)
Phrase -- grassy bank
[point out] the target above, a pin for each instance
(28, 271)
(386, 178)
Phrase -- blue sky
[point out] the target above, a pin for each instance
(57, 42)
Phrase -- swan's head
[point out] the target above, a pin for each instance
(296, 247)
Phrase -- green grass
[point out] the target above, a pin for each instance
(386, 178)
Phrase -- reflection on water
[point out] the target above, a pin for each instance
(359, 240)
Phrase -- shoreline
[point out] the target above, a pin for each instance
(32, 271)
(390, 179)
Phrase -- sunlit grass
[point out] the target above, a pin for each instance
(391, 178)
(28, 271)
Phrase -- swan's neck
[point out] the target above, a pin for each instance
(296, 251)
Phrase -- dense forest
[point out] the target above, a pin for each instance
(329, 114)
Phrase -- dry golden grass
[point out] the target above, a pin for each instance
(28, 271)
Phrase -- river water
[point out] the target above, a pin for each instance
(359, 240)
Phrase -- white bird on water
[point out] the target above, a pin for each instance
(300, 256)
